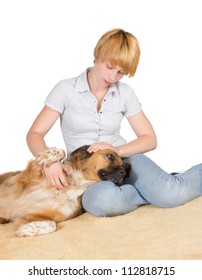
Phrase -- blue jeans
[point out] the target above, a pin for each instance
(147, 184)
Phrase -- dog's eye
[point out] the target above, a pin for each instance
(111, 157)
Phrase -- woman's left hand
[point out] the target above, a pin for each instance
(101, 146)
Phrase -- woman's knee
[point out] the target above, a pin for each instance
(137, 159)
(157, 186)
(105, 199)
(100, 199)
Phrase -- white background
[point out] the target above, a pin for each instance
(44, 41)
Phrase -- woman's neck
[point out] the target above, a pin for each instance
(95, 86)
(96, 89)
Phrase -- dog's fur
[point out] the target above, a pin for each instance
(35, 206)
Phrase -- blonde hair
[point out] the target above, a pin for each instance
(120, 48)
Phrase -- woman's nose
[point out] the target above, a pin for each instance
(113, 75)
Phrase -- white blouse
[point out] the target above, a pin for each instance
(81, 123)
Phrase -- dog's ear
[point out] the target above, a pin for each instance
(79, 156)
(82, 152)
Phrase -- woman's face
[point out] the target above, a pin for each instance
(108, 74)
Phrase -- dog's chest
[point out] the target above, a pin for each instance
(67, 197)
(67, 201)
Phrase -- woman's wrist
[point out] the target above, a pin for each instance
(120, 151)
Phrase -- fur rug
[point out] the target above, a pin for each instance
(148, 233)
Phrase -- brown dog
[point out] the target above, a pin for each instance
(35, 206)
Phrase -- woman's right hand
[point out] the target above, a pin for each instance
(55, 174)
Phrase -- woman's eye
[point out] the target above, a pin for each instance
(109, 66)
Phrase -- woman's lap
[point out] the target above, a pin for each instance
(147, 184)
(106, 199)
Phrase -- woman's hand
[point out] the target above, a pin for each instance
(145, 138)
(55, 174)
(102, 146)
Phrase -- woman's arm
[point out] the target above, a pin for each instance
(36, 143)
(146, 138)
(42, 124)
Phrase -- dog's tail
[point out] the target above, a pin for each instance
(4, 176)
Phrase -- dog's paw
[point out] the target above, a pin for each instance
(50, 156)
(36, 228)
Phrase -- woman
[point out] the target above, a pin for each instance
(91, 107)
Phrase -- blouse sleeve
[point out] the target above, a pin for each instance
(56, 99)
(132, 104)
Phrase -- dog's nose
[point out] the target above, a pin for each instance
(122, 172)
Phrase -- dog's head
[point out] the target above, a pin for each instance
(102, 165)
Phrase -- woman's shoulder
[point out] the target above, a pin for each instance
(125, 89)
(67, 83)
(76, 83)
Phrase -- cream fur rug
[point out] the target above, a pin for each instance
(148, 233)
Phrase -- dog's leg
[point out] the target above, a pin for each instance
(50, 156)
(36, 228)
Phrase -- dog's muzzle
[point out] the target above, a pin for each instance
(115, 174)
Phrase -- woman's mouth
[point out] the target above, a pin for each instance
(106, 82)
